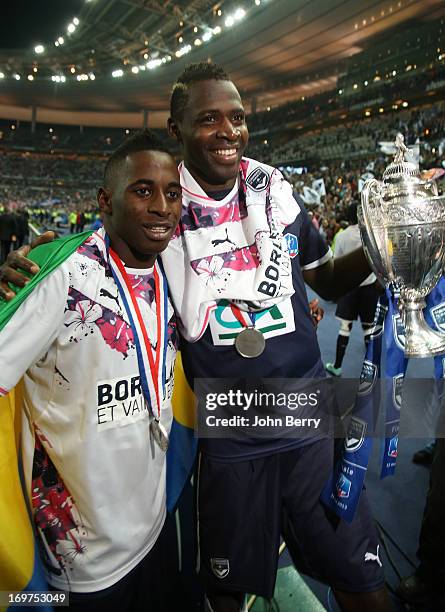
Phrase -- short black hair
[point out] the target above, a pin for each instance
(193, 73)
(143, 140)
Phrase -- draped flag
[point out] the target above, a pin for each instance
(19, 562)
(342, 491)
(319, 186)
(183, 442)
(367, 176)
(389, 148)
(310, 196)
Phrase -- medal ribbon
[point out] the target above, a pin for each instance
(237, 314)
(155, 382)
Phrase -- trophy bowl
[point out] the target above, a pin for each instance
(402, 226)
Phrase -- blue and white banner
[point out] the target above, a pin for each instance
(342, 492)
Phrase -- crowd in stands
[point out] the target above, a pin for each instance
(54, 139)
(382, 91)
(356, 139)
(50, 190)
(59, 191)
(342, 154)
(34, 169)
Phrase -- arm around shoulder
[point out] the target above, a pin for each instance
(338, 276)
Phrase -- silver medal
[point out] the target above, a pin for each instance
(160, 436)
(250, 343)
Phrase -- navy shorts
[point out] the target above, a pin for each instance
(358, 303)
(244, 507)
(153, 585)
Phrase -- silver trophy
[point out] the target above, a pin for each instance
(402, 226)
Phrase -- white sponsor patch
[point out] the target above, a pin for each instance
(120, 402)
(275, 321)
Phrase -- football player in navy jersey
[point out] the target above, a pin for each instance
(251, 492)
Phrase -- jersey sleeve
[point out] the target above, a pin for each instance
(339, 250)
(313, 250)
(27, 336)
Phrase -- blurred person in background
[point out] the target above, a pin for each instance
(8, 232)
(22, 227)
(424, 588)
(72, 219)
(360, 303)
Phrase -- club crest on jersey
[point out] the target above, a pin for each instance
(397, 385)
(220, 567)
(379, 319)
(438, 316)
(343, 486)
(258, 179)
(292, 245)
(392, 448)
(367, 377)
(398, 331)
(356, 435)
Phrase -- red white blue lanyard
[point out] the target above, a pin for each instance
(237, 314)
(151, 368)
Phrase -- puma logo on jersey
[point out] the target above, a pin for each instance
(105, 293)
(369, 556)
(226, 239)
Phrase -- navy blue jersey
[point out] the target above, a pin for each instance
(291, 351)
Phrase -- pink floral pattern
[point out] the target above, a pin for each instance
(85, 316)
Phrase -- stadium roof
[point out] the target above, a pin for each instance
(277, 50)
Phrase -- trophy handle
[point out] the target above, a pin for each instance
(372, 251)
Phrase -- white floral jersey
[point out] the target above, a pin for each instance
(95, 479)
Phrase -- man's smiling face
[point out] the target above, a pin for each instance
(142, 206)
(213, 133)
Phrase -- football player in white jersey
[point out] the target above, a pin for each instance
(97, 425)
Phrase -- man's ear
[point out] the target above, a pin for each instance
(173, 130)
(104, 200)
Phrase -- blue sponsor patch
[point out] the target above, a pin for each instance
(343, 486)
(292, 245)
(392, 449)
